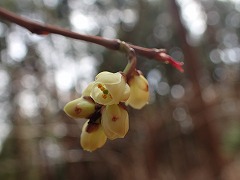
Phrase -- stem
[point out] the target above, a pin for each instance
(131, 66)
(132, 59)
(40, 29)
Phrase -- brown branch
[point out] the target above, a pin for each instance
(41, 29)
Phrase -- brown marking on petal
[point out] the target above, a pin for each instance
(89, 99)
(91, 127)
(122, 105)
(146, 88)
(114, 118)
(77, 110)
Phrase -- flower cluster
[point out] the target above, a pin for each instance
(104, 102)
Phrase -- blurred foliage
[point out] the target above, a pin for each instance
(189, 130)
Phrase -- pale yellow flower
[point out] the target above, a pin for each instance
(139, 93)
(92, 137)
(115, 121)
(87, 91)
(109, 88)
(82, 107)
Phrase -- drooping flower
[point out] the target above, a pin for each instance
(139, 93)
(109, 88)
(115, 121)
(82, 107)
(92, 136)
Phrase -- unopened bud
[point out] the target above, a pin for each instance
(139, 92)
(82, 107)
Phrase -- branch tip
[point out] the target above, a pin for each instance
(169, 60)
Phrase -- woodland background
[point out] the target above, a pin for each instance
(189, 131)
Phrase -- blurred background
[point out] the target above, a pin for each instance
(189, 131)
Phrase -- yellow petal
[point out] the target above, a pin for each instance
(88, 90)
(80, 108)
(108, 77)
(90, 141)
(139, 93)
(115, 121)
(110, 88)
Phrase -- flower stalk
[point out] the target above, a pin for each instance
(131, 56)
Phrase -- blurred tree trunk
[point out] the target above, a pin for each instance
(205, 129)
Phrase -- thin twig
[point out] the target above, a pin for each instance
(45, 29)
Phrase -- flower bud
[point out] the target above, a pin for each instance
(115, 121)
(139, 93)
(82, 107)
(92, 136)
(110, 88)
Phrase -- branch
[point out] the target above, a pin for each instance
(41, 29)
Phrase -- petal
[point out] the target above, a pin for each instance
(88, 90)
(138, 98)
(126, 93)
(110, 88)
(120, 91)
(90, 141)
(140, 81)
(99, 97)
(139, 93)
(115, 121)
(80, 108)
(108, 77)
